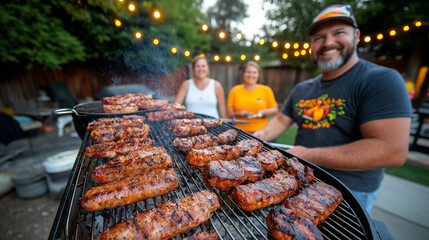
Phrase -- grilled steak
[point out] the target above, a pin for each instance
(168, 219)
(187, 130)
(249, 146)
(167, 115)
(224, 174)
(141, 154)
(130, 190)
(227, 136)
(115, 134)
(211, 235)
(116, 169)
(206, 122)
(113, 149)
(200, 157)
(265, 192)
(197, 142)
(151, 103)
(126, 120)
(125, 98)
(123, 108)
(283, 224)
(315, 202)
(303, 174)
(172, 107)
(270, 160)
(252, 167)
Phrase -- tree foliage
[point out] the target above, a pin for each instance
(51, 33)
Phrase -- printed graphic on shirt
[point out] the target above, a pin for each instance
(320, 112)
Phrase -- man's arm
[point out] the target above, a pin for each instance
(275, 127)
(385, 143)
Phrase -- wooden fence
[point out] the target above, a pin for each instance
(22, 86)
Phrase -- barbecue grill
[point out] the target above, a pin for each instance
(349, 221)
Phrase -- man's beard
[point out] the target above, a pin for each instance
(339, 62)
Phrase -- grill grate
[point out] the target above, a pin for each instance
(230, 222)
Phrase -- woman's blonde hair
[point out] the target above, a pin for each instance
(252, 64)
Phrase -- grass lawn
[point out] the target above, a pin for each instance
(407, 171)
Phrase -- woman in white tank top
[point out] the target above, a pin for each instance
(200, 93)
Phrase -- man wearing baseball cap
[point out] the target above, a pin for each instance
(354, 118)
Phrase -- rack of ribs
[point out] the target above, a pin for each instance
(168, 219)
(130, 190)
(284, 224)
(265, 192)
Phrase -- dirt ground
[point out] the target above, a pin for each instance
(27, 218)
(33, 218)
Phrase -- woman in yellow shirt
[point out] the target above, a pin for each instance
(251, 101)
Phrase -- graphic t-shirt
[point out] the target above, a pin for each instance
(329, 113)
(261, 97)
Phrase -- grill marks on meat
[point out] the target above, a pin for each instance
(130, 190)
(303, 174)
(187, 130)
(206, 122)
(270, 160)
(265, 192)
(168, 115)
(116, 134)
(121, 108)
(126, 120)
(151, 103)
(224, 174)
(141, 154)
(113, 149)
(115, 170)
(228, 136)
(315, 202)
(125, 98)
(284, 224)
(200, 157)
(227, 174)
(211, 235)
(172, 107)
(168, 219)
(197, 142)
(204, 140)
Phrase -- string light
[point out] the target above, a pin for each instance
(296, 45)
(418, 24)
(367, 39)
(392, 32)
(156, 41)
(287, 45)
(118, 23)
(138, 35)
(306, 45)
(238, 35)
(174, 50)
(275, 44)
(216, 58)
(228, 58)
(204, 27)
(202, 55)
(296, 53)
(380, 36)
(285, 56)
(406, 28)
(157, 14)
(261, 42)
(257, 57)
(222, 35)
(243, 57)
(131, 7)
(187, 53)
(303, 52)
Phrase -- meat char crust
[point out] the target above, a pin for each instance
(125, 120)
(283, 224)
(113, 134)
(187, 130)
(168, 219)
(270, 160)
(265, 192)
(130, 190)
(113, 149)
(315, 202)
(116, 169)
(200, 157)
(224, 174)
(303, 174)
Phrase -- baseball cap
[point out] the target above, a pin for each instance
(334, 12)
